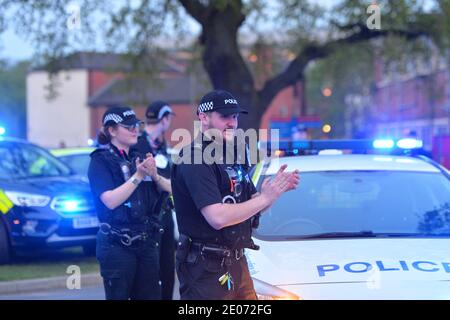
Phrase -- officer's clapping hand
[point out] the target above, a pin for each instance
(153, 171)
(273, 188)
(147, 167)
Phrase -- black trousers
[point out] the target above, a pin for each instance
(129, 272)
(199, 280)
(167, 256)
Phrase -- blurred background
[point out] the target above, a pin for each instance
(322, 69)
(330, 69)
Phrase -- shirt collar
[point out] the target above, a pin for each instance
(120, 153)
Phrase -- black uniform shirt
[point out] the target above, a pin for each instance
(105, 174)
(143, 146)
(194, 187)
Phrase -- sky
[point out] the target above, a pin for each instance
(13, 48)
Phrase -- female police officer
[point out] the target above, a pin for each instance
(125, 189)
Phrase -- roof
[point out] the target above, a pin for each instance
(100, 61)
(183, 89)
(351, 162)
(71, 151)
(169, 81)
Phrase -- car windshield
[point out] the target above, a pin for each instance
(360, 204)
(78, 162)
(20, 161)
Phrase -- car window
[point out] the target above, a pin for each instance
(19, 160)
(78, 162)
(354, 201)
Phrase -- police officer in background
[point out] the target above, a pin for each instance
(158, 119)
(215, 203)
(125, 188)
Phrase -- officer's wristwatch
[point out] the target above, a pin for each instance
(135, 181)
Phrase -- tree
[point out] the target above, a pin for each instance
(310, 31)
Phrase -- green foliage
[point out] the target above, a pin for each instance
(140, 27)
(144, 28)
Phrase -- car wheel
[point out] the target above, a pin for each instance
(5, 248)
(89, 249)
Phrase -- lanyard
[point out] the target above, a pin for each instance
(125, 164)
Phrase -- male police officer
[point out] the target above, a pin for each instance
(158, 119)
(215, 202)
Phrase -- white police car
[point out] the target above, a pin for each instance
(359, 226)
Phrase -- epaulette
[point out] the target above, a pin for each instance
(98, 151)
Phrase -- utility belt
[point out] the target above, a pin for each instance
(193, 250)
(216, 251)
(127, 236)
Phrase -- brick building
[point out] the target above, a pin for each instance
(416, 103)
(88, 83)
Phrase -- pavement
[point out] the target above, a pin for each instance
(46, 284)
(84, 293)
(56, 288)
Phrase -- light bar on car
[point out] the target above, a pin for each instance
(297, 147)
(383, 144)
(409, 144)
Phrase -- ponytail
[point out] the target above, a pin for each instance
(104, 137)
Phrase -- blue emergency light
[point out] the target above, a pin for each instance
(409, 144)
(383, 144)
(70, 205)
(297, 147)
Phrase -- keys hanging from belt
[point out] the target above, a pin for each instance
(227, 279)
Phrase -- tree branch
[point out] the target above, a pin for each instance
(196, 9)
(294, 71)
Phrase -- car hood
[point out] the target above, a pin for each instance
(51, 186)
(356, 268)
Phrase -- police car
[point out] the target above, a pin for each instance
(359, 226)
(43, 203)
(79, 158)
(76, 158)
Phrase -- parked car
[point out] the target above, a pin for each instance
(44, 203)
(76, 158)
(359, 226)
